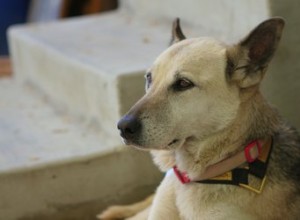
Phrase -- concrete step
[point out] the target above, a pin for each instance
(53, 167)
(91, 67)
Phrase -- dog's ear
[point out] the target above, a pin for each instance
(177, 34)
(247, 61)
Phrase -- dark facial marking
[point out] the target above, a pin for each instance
(148, 77)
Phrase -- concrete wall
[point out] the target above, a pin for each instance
(227, 18)
(282, 84)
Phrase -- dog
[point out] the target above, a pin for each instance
(226, 151)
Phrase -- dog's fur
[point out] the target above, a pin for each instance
(203, 104)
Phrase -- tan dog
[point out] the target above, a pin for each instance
(201, 110)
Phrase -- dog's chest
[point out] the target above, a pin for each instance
(210, 201)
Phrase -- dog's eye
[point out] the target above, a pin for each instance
(182, 84)
(148, 77)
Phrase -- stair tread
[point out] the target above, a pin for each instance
(32, 134)
(113, 43)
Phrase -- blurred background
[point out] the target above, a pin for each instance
(28, 11)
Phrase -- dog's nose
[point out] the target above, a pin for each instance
(129, 126)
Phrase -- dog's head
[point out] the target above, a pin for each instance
(195, 88)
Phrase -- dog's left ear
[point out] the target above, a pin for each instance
(247, 61)
(177, 34)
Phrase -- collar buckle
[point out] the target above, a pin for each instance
(250, 151)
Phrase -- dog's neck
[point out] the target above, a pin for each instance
(255, 119)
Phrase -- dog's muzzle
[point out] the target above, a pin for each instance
(130, 128)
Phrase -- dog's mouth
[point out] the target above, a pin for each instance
(180, 142)
(173, 142)
(177, 143)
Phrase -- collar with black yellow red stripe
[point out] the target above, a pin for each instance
(236, 170)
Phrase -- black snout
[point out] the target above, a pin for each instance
(129, 127)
